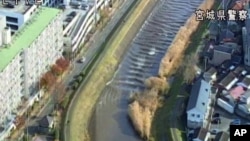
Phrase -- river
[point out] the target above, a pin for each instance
(140, 61)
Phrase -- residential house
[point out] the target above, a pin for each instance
(199, 104)
(244, 102)
(210, 74)
(222, 136)
(221, 54)
(213, 30)
(226, 36)
(46, 122)
(245, 82)
(201, 134)
(239, 71)
(228, 82)
(39, 138)
(237, 92)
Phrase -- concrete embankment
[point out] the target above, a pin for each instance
(102, 128)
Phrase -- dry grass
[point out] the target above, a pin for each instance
(142, 110)
(83, 107)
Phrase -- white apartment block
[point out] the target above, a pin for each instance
(75, 31)
(32, 50)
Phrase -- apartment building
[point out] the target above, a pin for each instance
(32, 50)
(76, 28)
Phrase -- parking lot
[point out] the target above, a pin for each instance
(225, 118)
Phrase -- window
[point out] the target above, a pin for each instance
(13, 27)
(206, 90)
(198, 116)
(203, 103)
(192, 115)
(11, 19)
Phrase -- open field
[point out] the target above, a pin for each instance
(104, 70)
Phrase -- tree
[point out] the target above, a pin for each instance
(47, 80)
(57, 70)
(63, 63)
(58, 94)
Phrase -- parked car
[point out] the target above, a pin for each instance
(236, 122)
(216, 115)
(82, 60)
(214, 131)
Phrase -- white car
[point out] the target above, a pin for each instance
(83, 59)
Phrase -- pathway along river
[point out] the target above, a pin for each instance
(141, 61)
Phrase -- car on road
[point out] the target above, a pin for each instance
(82, 60)
(214, 131)
(236, 122)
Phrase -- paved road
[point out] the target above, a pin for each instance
(98, 39)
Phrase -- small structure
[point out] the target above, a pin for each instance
(210, 74)
(46, 122)
(199, 104)
(246, 82)
(228, 82)
(221, 54)
(237, 92)
(239, 71)
(222, 136)
(201, 134)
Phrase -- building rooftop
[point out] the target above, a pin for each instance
(21, 7)
(27, 34)
(200, 91)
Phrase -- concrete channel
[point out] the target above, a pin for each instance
(141, 61)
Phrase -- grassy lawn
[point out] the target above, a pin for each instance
(162, 124)
(99, 76)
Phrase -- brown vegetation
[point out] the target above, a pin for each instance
(47, 80)
(144, 105)
(57, 70)
(142, 110)
(63, 63)
(156, 83)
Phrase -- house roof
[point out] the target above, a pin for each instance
(229, 78)
(237, 92)
(226, 34)
(224, 49)
(27, 34)
(199, 96)
(226, 64)
(238, 5)
(39, 138)
(45, 121)
(238, 70)
(211, 70)
(213, 28)
(236, 59)
(246, 81)
(222, 136)
(200, 133)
